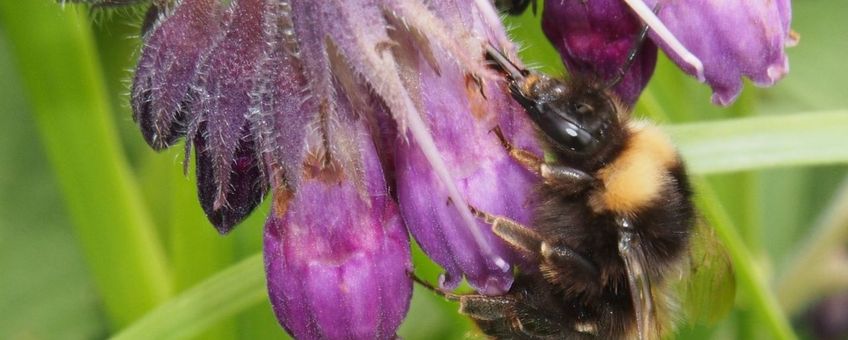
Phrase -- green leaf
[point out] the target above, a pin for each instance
(220, 297)
(62, 80)
(821, 255)
(197, 251)
(34, 233)
(750, 276)
(731, 145)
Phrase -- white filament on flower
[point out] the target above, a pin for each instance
(649, 18)
(428, 147)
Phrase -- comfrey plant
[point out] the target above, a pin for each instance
(369, 120)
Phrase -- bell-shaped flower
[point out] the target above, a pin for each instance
(461, 113)
(595, 39)
(423, 95)
(732, 39)
(336, 253)
(718, 42)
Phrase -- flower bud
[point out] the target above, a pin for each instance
(244, 192)
(222, 101)
(594, 39)
(167, 68)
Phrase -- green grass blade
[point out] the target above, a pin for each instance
(749, 276)
(764, 142)
(218, 298)
(197, 251)
(59, 69)
(819, 256)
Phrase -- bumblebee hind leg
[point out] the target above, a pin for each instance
(476, 306)
(497, 316)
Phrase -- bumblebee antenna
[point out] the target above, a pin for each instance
(631, 57)
(513, 71)
(633, 52)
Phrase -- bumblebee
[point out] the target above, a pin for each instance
(612, 225)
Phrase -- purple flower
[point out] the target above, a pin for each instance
(716, 41)
(336, 253)
(362, 118)
(460, 116)
(167, 68)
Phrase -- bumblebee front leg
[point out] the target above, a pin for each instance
(565, 178)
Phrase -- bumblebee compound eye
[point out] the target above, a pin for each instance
(569, 129)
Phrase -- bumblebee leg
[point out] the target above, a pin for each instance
(568, 178)
(524, 238)
(447, 295)
(562, 255)
(511, 231)
(480, 307)
(526, 158)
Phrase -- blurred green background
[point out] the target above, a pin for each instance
(97, 230)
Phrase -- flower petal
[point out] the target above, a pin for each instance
(733, 39)
(246, 186)
(338, 258)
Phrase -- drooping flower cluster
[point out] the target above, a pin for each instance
(365, 119)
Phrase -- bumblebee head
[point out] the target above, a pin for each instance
(578, 119)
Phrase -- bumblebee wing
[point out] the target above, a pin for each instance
(708, 288)
(631, 251)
